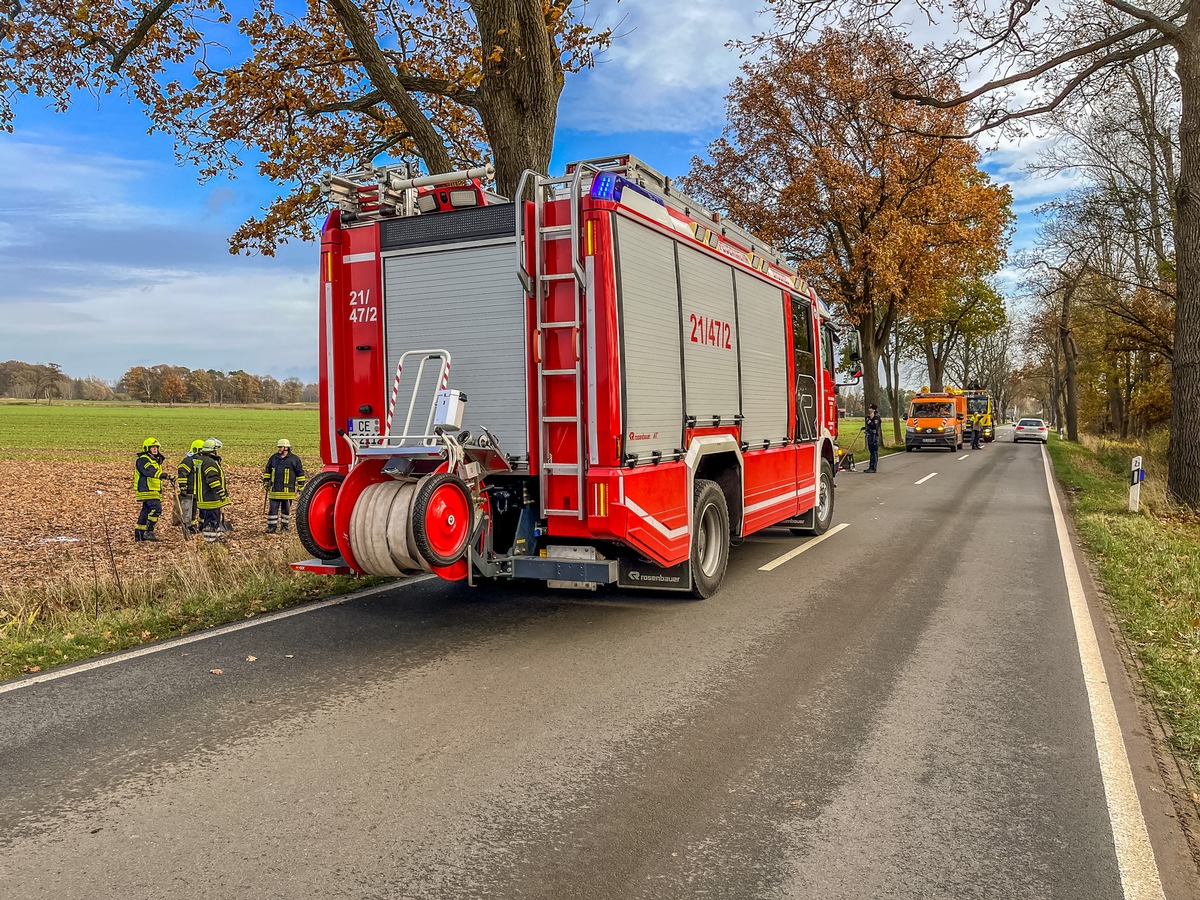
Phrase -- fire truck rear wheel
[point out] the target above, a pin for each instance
(823, 511)
(442, 518)
(314, 515)
(710, 538)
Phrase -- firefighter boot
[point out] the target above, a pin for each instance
(150, 536)
(137, 534)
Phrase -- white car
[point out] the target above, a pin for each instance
(1030, 430)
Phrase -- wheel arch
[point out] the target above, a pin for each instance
(718, 458)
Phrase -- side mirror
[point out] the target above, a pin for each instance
(961, 417)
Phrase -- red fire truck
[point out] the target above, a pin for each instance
(597, 382)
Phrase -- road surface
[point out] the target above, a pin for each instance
(899, 710)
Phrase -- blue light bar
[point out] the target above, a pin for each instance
(604, 186)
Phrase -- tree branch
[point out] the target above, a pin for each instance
(139, 33)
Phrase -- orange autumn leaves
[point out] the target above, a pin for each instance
(872, 197)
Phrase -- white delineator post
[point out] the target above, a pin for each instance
(1136, 476)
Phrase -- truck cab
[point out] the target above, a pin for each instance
(935, 421)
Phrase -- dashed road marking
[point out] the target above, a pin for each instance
(965, 456)
(926, 478)
(792, 554)
(1135, 856)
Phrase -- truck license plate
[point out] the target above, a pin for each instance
(928, 440)
(361, 429)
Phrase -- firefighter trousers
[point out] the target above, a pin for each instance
(279, 514)
(210, 524)
(147, 518)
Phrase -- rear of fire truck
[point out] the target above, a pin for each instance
(477, 420)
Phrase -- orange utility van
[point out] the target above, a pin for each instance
(935, 420)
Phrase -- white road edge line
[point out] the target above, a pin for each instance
(965, 456)
(926, 478)
(1135, 856)
(792, 554)
(203, 635)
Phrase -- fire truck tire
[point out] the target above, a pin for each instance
(314, 515)
(710, 538)
(442, 518)
(368, 529)
(823, 513)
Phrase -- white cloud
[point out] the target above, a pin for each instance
(668, 69)
(99, 273)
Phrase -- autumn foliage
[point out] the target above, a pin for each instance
(876, 207)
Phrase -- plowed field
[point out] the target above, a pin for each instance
(58, 523)
(66, 482)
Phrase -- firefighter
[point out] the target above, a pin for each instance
(283, 480)
(211, 493)
(976, 430)
(188, 472)
(147, 488)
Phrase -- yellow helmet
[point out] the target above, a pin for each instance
(150, 442)
(284, 442)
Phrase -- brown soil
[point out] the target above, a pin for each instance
(58, 522)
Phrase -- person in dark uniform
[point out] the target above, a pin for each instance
(147, 488)
(283, 480)
(211, 493)
(874, 431)
(188, 476)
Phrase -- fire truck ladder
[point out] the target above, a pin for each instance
(540, 285)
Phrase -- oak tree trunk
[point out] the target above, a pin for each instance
(518, 97)
(1183, 455)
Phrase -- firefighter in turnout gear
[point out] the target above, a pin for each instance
(283, 480)
(188, 478)
(147, 488)
(211, 493)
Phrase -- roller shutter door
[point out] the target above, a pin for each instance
(710, 338)
(765, 388)
(650, 337)
(467, 301)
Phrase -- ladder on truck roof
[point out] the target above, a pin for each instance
(543, 286)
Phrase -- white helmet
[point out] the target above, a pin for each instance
(212, 445)
(284, 442)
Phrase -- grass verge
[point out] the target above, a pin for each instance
(202, 586)
(850, 438)
(1148, 564)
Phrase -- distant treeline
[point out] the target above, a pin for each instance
(153, 384)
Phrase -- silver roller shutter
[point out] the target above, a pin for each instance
(710, 338)
(466, 300)
(650, 337)
(765, 387)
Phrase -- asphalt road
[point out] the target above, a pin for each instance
(899, 711)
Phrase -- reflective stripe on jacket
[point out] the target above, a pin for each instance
(147, 477)
(210, 491)
(283, 478)
(189, 468)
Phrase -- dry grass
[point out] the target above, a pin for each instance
(75, 583)
(1148, 564)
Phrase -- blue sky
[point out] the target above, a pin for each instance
(111, 255)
